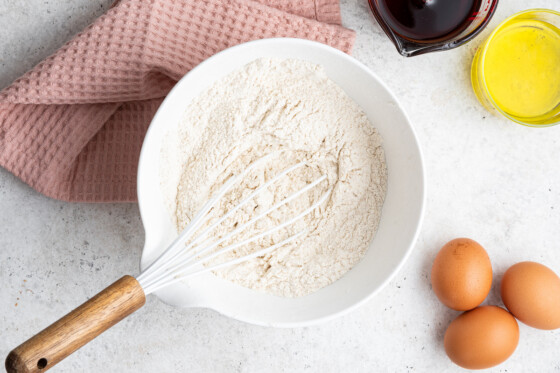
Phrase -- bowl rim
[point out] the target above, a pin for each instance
(422, 203)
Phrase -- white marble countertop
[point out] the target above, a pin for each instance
(489, 179)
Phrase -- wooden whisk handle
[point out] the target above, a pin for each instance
(60, 339)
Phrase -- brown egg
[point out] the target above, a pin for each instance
(462, 274)
(481, 338)
(531, 292)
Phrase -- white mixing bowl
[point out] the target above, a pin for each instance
(401, 216)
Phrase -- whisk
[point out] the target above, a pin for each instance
(189, 255)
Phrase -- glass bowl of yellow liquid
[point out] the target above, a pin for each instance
(516, 71)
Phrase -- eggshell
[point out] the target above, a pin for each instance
(462, 274)
(531, 292)
(481, 338)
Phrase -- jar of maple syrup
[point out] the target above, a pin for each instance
(421, 26)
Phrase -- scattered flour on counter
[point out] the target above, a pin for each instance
(291, 109)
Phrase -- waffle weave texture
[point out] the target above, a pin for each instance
(73, 126)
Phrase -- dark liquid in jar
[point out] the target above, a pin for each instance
(427, 19)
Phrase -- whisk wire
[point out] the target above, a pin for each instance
(177, 246)
(179, 259)
(177, 249)
(155, 287)
(242, 227)
(176, 270)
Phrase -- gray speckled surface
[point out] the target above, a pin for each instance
(488, 179)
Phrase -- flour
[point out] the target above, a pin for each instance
(290, 109)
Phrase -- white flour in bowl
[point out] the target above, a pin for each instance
(289, 108)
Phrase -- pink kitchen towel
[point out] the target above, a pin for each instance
(73, 126)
